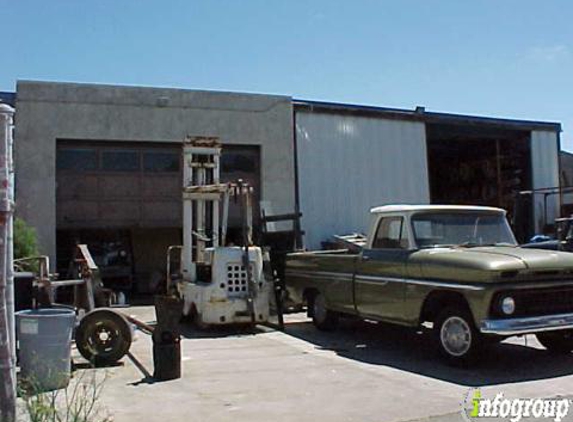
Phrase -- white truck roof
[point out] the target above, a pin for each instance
(411, 208)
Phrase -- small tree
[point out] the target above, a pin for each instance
(25, 240)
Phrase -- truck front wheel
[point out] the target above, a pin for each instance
(322, 318)
(456, 336)
(557, 341)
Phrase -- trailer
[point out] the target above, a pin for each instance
(103, 335)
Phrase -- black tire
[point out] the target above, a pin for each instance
(557, 341)
(322, 318)
(103, 337)
(456, 337)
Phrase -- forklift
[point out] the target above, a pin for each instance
(221, 282)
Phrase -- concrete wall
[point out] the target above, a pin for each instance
(349, 164)
(50, 111)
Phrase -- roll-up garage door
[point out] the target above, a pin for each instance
(112, 185)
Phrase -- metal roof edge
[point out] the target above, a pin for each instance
(420, 114)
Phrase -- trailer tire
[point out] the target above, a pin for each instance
(103, 337)
(323, 319)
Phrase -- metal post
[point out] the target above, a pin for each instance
(545, 195)
(498, 172)
(243, 192)
(7, 330)
(189, 273)
(225, 217)
(10, 300)
(200, 242)
(217, 203)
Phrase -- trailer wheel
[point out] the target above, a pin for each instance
(103, 337)
(322, 318)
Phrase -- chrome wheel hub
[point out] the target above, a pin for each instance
(456, 336)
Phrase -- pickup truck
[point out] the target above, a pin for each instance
(456, 270)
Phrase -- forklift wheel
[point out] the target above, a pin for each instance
(103, 337)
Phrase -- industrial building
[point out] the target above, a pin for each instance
(102, 164)
(352, 158)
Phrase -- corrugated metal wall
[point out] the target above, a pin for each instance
(349, 164)
(545, 169)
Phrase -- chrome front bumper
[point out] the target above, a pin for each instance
(516, 326)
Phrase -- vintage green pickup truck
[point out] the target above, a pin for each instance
(454, 269)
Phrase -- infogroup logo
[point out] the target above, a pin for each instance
(475, 407)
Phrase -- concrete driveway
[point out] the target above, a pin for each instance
(361, 372)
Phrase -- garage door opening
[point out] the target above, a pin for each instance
(124, 201)
(481, 166)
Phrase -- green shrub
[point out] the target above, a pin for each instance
(78, 402)
(25, 239)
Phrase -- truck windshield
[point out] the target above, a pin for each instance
(435, 229)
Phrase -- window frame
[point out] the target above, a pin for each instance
(404, 234)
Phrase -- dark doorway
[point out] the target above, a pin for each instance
(475, 165)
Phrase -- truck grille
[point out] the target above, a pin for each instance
(237, 281)
(536, 302)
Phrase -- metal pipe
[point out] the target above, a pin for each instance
(201, 177)
(225, 217)
(168, 275)
(545, 195)
(246, 243)
(498, 172)
(10, 305)
(7, 326)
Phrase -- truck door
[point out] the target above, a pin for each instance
(379, 291)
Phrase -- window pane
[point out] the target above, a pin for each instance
(231, 162)
(461, 228)
(391, 234)
(161, 161)
(76, 159)
(120, 160)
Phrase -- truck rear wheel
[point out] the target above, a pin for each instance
(456, 336)
(322, 318)
(557, 341)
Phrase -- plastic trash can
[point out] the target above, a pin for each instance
(44, 338)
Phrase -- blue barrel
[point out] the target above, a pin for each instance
(44, 338)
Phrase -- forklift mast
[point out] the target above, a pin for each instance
(203, 194)
(220, 283)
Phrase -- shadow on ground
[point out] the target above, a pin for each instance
(380, 344)
(190, 331)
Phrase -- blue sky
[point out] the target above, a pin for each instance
(498, 58)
